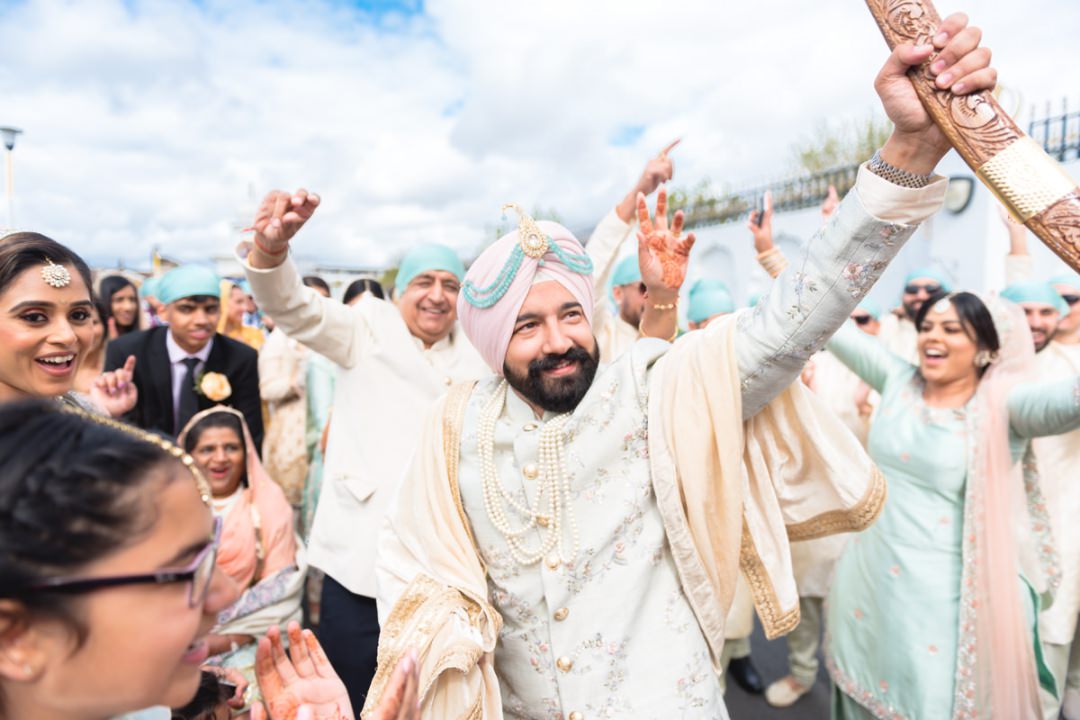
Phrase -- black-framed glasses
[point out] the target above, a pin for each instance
(913, 288)
(861, 319)
(197, 574)
(1071, 299)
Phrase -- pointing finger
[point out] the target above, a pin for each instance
(671, 146)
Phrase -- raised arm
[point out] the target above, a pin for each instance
(865, 356)
(812, 298)
(1018, 263)
(1045, 408)
(324, 325)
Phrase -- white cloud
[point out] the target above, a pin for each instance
(159, 122)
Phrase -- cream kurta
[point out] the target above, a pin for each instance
(900, 337)
(614, 335)
(619, 632)
(1058, 457)
(388, 380)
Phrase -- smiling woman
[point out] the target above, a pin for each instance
(46, 324)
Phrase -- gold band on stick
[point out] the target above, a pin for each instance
(1030, 183)
(1025, 179)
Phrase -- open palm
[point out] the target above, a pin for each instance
(663, 253)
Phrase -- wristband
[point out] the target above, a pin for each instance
(265, 251)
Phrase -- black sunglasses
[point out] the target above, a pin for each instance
(914, 288)
(1071, 299)
(861, 319)
(197, 573)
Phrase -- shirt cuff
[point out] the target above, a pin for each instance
(892, 203)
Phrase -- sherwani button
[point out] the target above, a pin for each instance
(552, 561)
(529, 427)
(531, 471)
(576, 716)
(565, 664)
(543, 520)
(448, 381)
(561, 614)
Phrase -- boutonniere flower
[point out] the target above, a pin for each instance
(213, 386)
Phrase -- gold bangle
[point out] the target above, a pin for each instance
(665, 306)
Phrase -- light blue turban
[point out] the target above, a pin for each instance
(1070, 278)
(708, 298)
(1036, 292)
(929, 272)
(188, 281)
(149, 287)
(422, 258)
(870, 307)
(626, 272)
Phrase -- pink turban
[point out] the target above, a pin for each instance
(496, 285)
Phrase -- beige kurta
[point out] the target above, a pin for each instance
(614, 335)
(387, 381)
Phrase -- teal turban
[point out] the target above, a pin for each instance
(708, 298)
(1071, 279)
(422, 258)
(149, 286)
(1036, 292)
(870, 307)
(626, 272)
(188, 281)
(931, 273)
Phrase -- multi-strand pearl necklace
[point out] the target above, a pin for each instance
(552, 504)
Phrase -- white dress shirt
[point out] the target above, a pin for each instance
(177, 356)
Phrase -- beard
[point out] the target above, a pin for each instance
(911, 309)
(559, 394)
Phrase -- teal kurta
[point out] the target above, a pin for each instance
(893, 609)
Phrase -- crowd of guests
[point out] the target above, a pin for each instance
(227, 451)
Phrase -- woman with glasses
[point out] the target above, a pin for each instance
(931, 612)
(259, 549)
(108, 593)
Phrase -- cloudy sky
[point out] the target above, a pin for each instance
(162, 123)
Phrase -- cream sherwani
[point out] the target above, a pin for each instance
(1058, 457)
(614, 335)
(685, 466)
(387, 382)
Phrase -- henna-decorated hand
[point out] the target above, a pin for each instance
(115, 391)
(961, 66)
(763, 238)
(401, 700)
(280, 216)
(305, 680)
(662, 254)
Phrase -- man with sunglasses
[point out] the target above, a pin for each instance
(1068, 286)
(898, 330)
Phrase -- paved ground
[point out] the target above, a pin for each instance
(770, 658)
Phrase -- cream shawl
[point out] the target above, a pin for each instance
(732, 496)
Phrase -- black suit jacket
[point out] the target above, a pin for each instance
(153, 377)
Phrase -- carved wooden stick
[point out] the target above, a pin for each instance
(1029, 182)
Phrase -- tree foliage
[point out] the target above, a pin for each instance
(836, 144)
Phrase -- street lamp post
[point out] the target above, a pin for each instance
(7, 134)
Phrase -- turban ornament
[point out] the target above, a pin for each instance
(532, 243)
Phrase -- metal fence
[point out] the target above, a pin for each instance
(792, 194)
(1058, 134)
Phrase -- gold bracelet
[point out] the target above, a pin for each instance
(665, 306)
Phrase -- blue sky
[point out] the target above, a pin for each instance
(164, 122)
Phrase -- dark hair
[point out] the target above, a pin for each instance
(71, 492)
(29, 250)
(210, 696)
(361, 286)
(109, 286)
(314, 281)
(220, 419)
(976, 320)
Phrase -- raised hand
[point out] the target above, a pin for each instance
(662, 253)
(306, 679)
(762, 231)
(279, 218)
(401, 699)
(657, 171)
(962, 66)
(830, 203)
(115, 391)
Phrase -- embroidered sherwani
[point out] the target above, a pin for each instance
(631, 625)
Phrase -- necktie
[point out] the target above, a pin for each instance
(189, 401)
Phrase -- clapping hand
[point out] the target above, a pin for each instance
(115, 391)
(662, 253)
(279, 218)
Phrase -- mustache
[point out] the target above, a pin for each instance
(549, 362)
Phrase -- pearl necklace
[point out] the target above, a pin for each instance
(552, 503)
